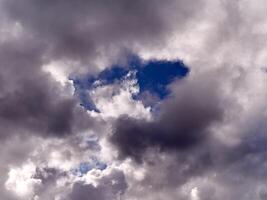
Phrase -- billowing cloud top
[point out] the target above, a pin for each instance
(131, 100)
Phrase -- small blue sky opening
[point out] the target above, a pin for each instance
(85, 167)
(152, 76)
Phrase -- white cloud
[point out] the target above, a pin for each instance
(21, 181)
(117, 99)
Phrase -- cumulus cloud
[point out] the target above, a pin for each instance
(203, 139)
(183, 121)
(84, 30)
(111, 186)
(30, 98)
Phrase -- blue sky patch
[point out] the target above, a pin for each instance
(85, 167)
(152, 76)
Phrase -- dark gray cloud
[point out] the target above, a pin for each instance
(190, 156)
(79, 30)
(109, 187)
(183, 121)
(86, 192)
(48, 177)
(213, 170)
(207, 141)
(31, 101)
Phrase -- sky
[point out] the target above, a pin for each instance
(133, 100)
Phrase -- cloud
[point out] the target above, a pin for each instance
(77, 29)
(183, 121)
(31, 101)
(21, 181)
(204, 140)
(112, 186)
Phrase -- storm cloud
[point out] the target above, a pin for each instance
(83, 30)
(183, 122)
(152, 132)
(31, 99)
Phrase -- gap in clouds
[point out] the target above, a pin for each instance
(152, 76)
(85, 167)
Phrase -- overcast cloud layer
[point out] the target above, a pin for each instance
(205, 140)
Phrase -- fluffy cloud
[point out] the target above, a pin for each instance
(204, 140)
(110, 186)
(183, 122)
